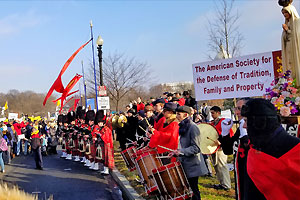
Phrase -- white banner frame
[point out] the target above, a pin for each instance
(244, 76)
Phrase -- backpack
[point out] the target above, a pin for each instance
(3, 145)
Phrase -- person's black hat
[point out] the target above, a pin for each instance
(158, 101)
(170, 106)
(71, 117)
(80, 112)
(170, 95)
(64, 119)
(175, 99)
(284, 3)
(89, 116)
(60, 118)
(262, 120)
(141, 113)
(131, 111)
(100, 117)
(165, 93)
(184, 109)
(258, 107)
(185, 93)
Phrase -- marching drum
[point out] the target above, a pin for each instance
(127, 155)
(208, 136)
(172, 182)
(141, 152)
(145, 164)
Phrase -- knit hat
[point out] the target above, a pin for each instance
(258, 107)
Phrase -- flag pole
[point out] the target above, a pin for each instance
(80, 94)
(91, 24)
(84, 85)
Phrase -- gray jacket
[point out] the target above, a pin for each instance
(192, 160)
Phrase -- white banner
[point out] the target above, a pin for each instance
(13, 115)
(103, 103)
(244, 76)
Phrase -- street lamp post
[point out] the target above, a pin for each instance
(99, 47)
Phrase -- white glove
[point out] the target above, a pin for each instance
(243, 131)
(226, 125)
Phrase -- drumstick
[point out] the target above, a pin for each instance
(162, 157)
(147, 121)
(143, 129)
(169, 149)
(129, 140)
(211, 139)
(148, 124)
(137, 137)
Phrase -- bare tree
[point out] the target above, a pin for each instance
(223, 30)
(27, 102)
(121, 75)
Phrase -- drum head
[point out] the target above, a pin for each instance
(208, 134)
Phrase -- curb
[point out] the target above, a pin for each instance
(127, 190)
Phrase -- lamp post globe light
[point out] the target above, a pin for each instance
(99, 47)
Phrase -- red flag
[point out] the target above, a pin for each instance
(66, 91)
(76, 104)
(76, 101)
(57, 85)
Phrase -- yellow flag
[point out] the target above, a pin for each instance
(5, 106)
(58, 103)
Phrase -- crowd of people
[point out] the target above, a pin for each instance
(169, 124)
(18, 137)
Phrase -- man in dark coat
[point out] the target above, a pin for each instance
(273, 161)
(189, 100)
(189, 149)
(238, 145)
(36, 148)
(131, 126)
(27, 136)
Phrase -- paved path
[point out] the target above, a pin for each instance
(65, 180)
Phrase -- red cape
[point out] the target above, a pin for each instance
(276, 178)
(166, 136)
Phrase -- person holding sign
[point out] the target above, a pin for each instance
(290, 40)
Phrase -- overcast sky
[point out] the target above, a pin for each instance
(37, 37)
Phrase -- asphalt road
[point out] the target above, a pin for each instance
(62, 179)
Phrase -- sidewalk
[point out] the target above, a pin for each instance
(128, 191)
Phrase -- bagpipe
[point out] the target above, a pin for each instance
(88, 139)
(99, 146)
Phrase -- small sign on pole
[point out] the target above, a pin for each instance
(102, 90)
(103, 103)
